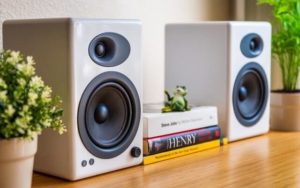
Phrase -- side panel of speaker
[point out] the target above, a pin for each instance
(238, 60)
(196, 57)
(47, 41)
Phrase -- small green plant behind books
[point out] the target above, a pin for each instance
(178, 102)
(26, 104)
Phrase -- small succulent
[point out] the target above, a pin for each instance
(178, 102)
(26, 105)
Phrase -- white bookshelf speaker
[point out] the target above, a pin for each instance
(95, 66)
(226, 64)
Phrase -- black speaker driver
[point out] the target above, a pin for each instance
(108, 115)
(250, 94)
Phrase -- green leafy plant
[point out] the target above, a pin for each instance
(26, 105)
(178, 102)
(286, 39)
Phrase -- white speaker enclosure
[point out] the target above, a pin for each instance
(60, 48)
(207, 57)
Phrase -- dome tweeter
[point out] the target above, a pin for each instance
(252, 45)
(109, 49)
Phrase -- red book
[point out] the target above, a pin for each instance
(178, 140)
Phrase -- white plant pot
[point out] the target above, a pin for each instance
(285, 111)
(16, 162)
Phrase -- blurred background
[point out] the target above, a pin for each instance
(153, 13)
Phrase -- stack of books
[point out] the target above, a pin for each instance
(170, 135)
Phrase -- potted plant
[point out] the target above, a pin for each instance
(26, 108)
(285, 103)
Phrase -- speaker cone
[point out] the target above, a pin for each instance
(250, 94)
(108, 115)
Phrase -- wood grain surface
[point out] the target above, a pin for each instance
(271, 160)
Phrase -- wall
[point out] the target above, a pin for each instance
(153, 13)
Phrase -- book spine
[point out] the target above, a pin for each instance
(183, 151)
(179, 140)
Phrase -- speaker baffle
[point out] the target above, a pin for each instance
(250, 94)
(109, 115)
(109, 49)
(252, 45)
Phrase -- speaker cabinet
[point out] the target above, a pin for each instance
(95, 66)
(226, 64)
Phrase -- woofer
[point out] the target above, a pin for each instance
(250, 94)
(108, 115)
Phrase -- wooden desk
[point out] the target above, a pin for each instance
(271, 160)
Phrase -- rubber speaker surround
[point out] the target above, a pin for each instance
(113, 98)
(250, 94)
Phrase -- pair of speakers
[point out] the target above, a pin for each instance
(95, 66)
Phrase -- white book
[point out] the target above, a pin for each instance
(158, 124)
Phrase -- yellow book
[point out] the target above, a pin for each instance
(183, 151)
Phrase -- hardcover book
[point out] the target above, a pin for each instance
(173, 141)
(184, 151)
(158, 124)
